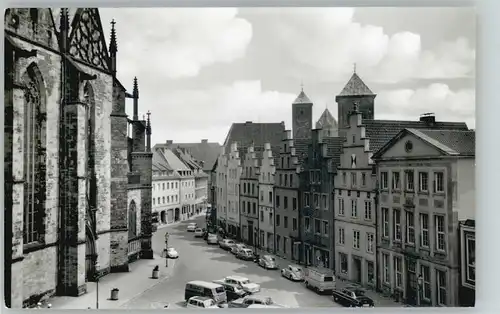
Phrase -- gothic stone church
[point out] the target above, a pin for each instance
(77, 185)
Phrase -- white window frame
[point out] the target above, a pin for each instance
(370, 240)
(410, 180)
(354, 208)
(442, 295)
(398, 271)
(385, 265)
(397, 236)
(424, 230)
(384, 180)
(410, 228)
(345, 256)
(341, 207)
(354, 179)
(396, 184)
(426, 282)
(325, 226)
(385, 222)
(440, 224)
(423, 177)
(437, 185)
(368, 209)
(470, 266)
(341, 236)
(355, 239)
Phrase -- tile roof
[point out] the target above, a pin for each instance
(206, 152)
(159, 161)
(248, 133)
(380, 132)
(302, 99)
(355, 87)
(174, 161)
(453, 142)
(326, 121)
(334, 148)
(301, 148)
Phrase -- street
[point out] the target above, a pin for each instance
(201, 261)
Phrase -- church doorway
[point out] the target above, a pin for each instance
(90, 255)
(177, 215)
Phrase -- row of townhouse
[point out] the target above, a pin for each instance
(337, 198)
(180, 184)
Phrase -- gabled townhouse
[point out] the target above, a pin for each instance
(427, 187)
(266, 199)
(249, 198)
(234, 171)
(221, 189)
(165, 202)
(316, 187)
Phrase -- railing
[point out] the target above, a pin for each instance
(134, 246)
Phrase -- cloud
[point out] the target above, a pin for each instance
(408, 104)
(330, 40)
(177, 42)
(211, 111)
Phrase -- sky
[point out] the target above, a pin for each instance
(201, 69)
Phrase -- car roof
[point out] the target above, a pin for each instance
(200, 298)
(192, 223)
(237, 278)
(205, 284)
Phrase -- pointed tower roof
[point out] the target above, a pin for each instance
(356, 87)
(326, 121)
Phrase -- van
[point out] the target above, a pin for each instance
(205, 289)
(319, 279)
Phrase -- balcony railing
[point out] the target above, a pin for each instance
(134, 246)
(316, 239)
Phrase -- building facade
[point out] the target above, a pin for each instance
(316, 187)
(355, 186)
(221, 189)
(467, 293)
(234, 172)
(266, 199)
(166, 202)
(286, 201)
(249, 198)
(426, 186)
(73, 187)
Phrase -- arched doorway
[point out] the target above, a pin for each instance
(90, 254)
(163, 217)
(177, 215)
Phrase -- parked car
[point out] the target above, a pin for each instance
(191, 226)
(253, 300)
(198, 288)
(226, 244)
(233, 291)
(172, 253)
(352, 297)
(319, 279)
(236, 247)
(268, 262)
(245, 254)
(198, 233)
(242, 282)
(201, 303)
(292, 272)
(212, 239)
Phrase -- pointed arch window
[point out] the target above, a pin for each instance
(88, 96)
(132, 220)
(35, 124)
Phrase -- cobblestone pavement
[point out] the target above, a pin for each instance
(200, 261)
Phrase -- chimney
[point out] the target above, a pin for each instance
(170, 142)
(248, 122)
(428, 118)
(204, 141)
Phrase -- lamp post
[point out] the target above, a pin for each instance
(166, 248)
(96, 266)
(420, 282)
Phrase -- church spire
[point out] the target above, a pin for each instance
(113, 48)
(63, 29)
(135, 95)
(148, 132)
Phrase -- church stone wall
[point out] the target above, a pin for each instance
(31, 272)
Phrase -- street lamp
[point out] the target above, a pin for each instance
(420, 281)
(96, 274)
(166, 248)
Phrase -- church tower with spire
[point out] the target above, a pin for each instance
(302, 116)
(354, 92)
